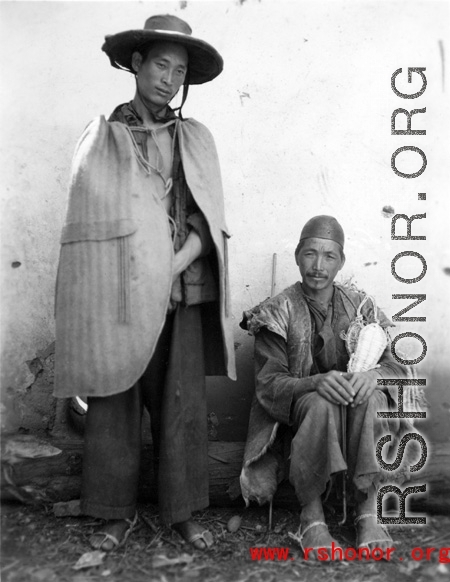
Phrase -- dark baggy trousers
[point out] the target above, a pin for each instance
(316, 447)
(173, 390)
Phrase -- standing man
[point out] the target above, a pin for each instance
(301, 383)
(142, 299)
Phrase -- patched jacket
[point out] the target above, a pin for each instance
(288, 316)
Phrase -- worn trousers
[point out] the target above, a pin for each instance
(316, 449)
(173, 391)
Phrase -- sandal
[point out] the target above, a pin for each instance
(204, 536)
(298, 537)
(110, 537)
(383, 527)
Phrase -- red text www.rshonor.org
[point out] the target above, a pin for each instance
(336, 553)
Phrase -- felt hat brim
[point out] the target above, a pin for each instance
(205, 63)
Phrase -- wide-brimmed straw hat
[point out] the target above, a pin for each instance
(205, 63)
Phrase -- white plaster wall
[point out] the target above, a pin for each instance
(301, 117)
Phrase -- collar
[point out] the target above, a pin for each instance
(126, 113)
(316, 305)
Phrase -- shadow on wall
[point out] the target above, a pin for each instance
(228, 402)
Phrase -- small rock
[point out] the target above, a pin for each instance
(234, 523)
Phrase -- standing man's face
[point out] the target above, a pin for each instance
(162, 73)
(319, 261)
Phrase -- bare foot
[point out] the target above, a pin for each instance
(194, 533)
(111, 535)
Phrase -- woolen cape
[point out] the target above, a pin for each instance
(115, 270)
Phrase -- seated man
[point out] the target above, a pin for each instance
(302, 381)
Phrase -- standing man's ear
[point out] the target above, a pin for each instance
(136, 61)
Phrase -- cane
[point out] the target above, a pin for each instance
(343, 412)
(272, 293)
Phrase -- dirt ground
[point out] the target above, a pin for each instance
(37, 546)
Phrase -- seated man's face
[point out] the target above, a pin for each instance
(319, 261)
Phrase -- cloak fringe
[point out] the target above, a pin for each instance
(266, 447)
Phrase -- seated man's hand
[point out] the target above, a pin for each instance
(335, 387)
(364, 384)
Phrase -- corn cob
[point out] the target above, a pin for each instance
(365, 342)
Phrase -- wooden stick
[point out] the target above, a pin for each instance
(274, 275)
(270, 513)
(343, 411)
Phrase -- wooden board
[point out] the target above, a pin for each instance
(58, 478)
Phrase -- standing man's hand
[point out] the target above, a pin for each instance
(176, 295)
(335, 387)
(191, 249)
(364, 385)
